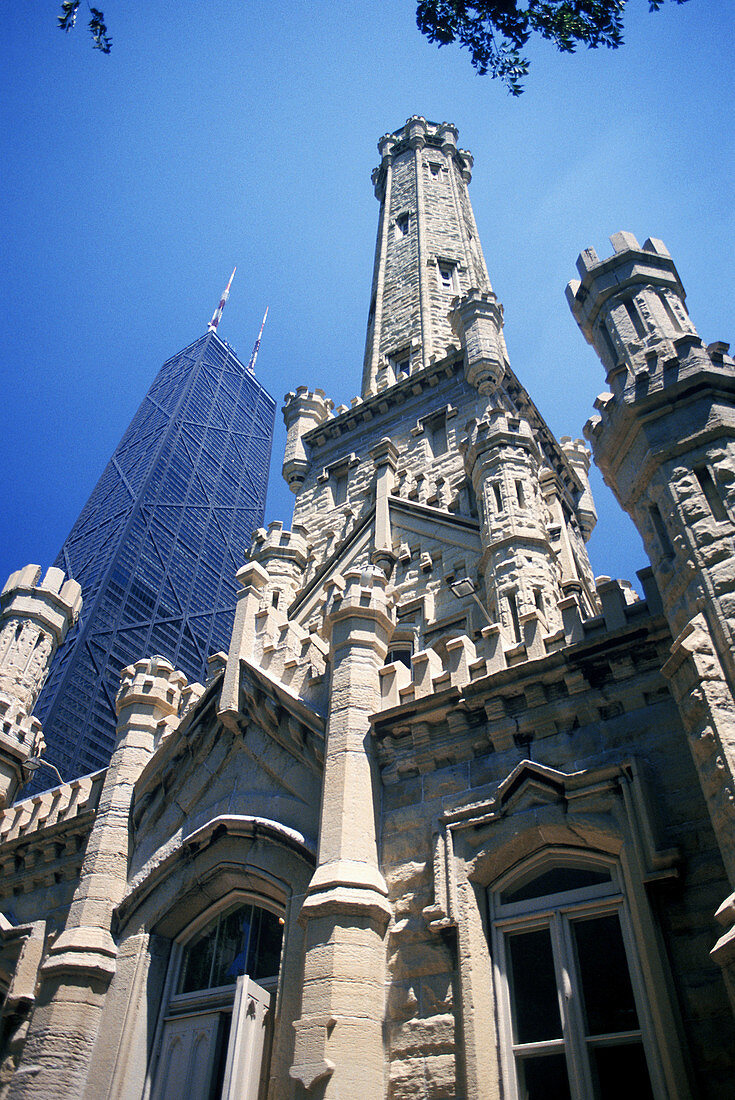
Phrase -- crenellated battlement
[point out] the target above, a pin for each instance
(459, 661)
(274, 542)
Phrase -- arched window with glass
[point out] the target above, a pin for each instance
(217, 1024)
(574, 1019)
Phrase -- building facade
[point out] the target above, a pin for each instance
(451, 818)
(157, 545)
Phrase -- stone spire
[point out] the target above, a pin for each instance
(428, 250)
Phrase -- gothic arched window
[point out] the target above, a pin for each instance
(216, 1026)
(575, 1023)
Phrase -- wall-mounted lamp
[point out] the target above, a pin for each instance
(33, 763)
(465, 586)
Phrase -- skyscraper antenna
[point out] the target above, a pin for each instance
(218, 311)
(256, 346)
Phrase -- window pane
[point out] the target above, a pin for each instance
(246, 940)
(543, 1078)
(198, 963)
(533, 987)
(621, 1071)
(555, 880)
(603, 968)
(232, 948)
(264, 957)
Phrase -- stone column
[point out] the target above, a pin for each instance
(416, 128)
(34, 620)
(339, 1037)
(82, 961)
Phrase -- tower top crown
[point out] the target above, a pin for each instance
(419, 133)
(629, 266)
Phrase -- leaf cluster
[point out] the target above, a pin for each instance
(97, 28)
(495, 31)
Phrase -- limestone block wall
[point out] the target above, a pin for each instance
(583, 707)
(269, 767)
(342, 447)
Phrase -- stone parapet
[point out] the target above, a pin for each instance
(463, 662)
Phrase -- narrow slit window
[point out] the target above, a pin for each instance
(339, 488)
(438, 436)
(498, 497)
(446, 276)
(670, 313)
(403, 224)
(538, 599)
(608, 342)
(632, 310)
(709, 489)
(520, 495)
(401, 362)
(513, 608)
(662, 534)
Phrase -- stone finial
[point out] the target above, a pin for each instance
(386, 145)
(35, 616)
(477, 321)
(579, 459)
(447, 134)
(416, 131)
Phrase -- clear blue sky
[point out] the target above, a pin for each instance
(244, 133)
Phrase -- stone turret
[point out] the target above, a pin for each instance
(664, 438)
(522, 581)
(283, 554)
(153, 696)
(477, 321)
(34, 620)
(302, 411)
(578, 456)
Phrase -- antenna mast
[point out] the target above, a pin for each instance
(216, 316)
(256, 346)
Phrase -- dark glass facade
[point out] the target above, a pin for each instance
(158, 543)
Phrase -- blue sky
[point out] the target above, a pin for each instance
(244, 133)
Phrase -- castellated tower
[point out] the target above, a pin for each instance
(427, 252)
(664, 438)
(468, 446)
